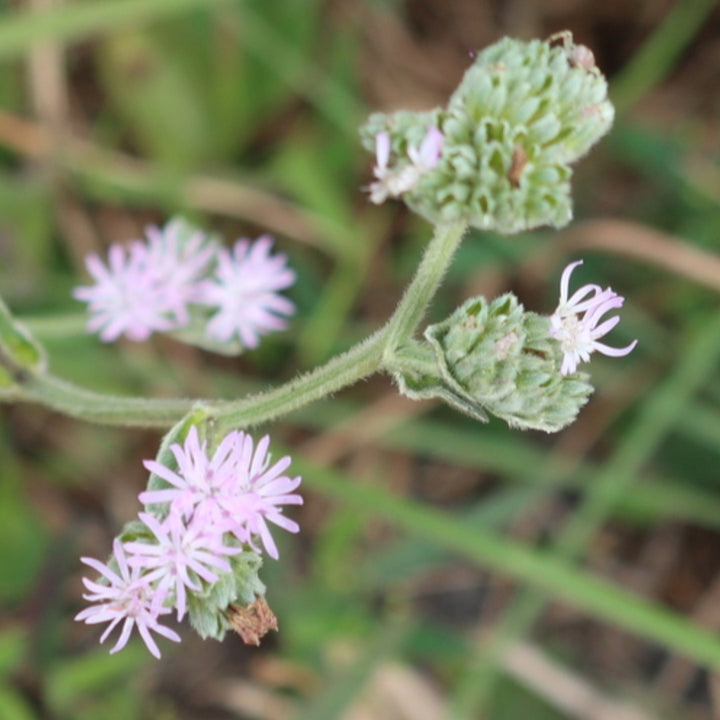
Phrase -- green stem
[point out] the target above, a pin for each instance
(363, 359)
(358, 362)
(83, 404)
(428, 277)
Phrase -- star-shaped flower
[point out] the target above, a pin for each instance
(125, 596)
(577, 322)
(178, 555)
(245, 290)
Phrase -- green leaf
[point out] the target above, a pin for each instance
(19, 350)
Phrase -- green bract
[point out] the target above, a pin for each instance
(496, 357)
(208, 609)
(521, 115)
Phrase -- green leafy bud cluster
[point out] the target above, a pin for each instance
(497, 357)
(523, 112)
(209, 606)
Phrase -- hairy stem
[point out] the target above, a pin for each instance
(101, 408)
(435, 262)
(360, 361)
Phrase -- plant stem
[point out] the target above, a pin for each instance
(421, 290)
(104, 409)
(358, 362)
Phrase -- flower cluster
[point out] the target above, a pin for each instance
(178, 277)
(502, 148)
(576, 323)
(201, 518)
(496, 357)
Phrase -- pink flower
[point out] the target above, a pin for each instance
(395, 182)
(576, 323)
(198, 482)
(258, 492)
(237, 491)
(177, 551)
(127, 597)
(176, 264)
(124, 299)
(428, 156)
(245, 291)
(145, 287)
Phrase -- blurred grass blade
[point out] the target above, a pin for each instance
(518, 458)
(539, 569)
(20, 31)
(657, 416)
(660, 52)
(95, 671)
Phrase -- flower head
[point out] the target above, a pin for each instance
(245, 291)
(178, 555)
(125, 596)
(239, 490)
(522, 114)
(124, 299)
(577, 322)
(196, 548)
(496, 357)
(258, 491)
(145, 286)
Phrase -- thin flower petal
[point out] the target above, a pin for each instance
(577, 323)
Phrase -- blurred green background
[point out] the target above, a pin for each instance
(445, 569)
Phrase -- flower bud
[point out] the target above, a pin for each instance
(522, 113)
(504, 358)
(495, 357)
